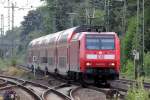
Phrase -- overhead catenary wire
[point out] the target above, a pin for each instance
(12, 7)
(2, 25)
(107, 14)
(1, 35)
(8, 15)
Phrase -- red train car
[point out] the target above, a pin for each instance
(78, 52)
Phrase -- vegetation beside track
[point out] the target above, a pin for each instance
(3, 64)
(8, 67)
(128, 69)
(14, 71)
(137, 92)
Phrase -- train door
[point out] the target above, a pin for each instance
(74, 55)
(51, 59)
(62, 46)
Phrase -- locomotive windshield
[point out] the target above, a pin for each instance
(100, 42)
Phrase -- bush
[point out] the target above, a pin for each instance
(3, 64)
(128, 40)
(147, 64)
(14, 71)
(13, 62)
(129, 69)
(137, 92)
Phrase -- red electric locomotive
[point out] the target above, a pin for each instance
(78, 53)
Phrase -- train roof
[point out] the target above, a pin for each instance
(45, 40)
(52, 37)
(101, 33)
(32, 42)
(68, 32)
(36, 41)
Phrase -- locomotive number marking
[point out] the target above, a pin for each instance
(100, 56)
(91, 56)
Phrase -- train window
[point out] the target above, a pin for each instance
(43, 59)
(107, 43)
(76, 36)
(63, 38)
(62, 61)
(92, 43)
(99, 43)
(50, 61)
(51, 40)
(30, 59)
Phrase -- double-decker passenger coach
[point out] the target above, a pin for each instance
(78, 53)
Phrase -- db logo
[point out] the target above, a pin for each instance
(100, 56)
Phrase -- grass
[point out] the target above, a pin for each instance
(3, 64)
(8, 67)
(137, 91)
(13, 71)
(17, 72)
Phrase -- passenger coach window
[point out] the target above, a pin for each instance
(51, 40)
(62, 62)
(43, 59)
(50, 60)
(100, 43)
(76, 36)
(63, 38)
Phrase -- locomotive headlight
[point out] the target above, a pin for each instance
(88, 64)
(112, 64)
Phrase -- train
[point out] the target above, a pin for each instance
(82, 52)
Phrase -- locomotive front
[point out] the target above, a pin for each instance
(101, 56)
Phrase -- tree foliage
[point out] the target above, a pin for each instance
(64, 14)
(147, 63)
(33, 21)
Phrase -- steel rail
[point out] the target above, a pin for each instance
(20, 83)
(54, 90)
(131, 82)
(72, 91)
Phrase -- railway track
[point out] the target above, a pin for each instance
(124, 84)
(81, 93)
(35, 91)
(2, 83)
(60, 92)
(108, 93)
(21, 88)
(68, 91)
(118, 88)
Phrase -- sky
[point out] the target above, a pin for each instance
(19, 13)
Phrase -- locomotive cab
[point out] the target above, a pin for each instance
(99, 55)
